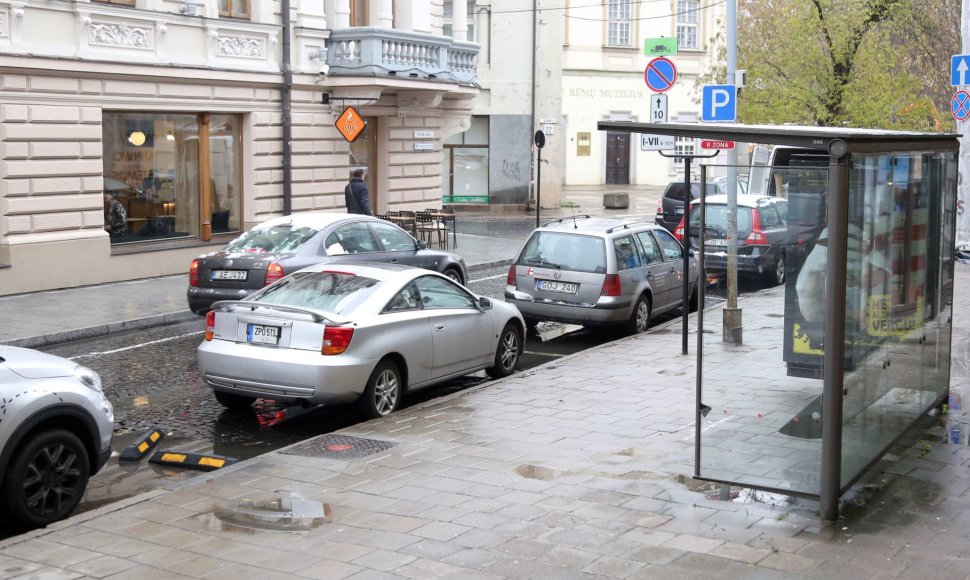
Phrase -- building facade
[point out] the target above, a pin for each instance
(176, 111)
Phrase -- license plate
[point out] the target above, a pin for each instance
(721, 242)
(553, 286)
(262, 334)
(229, 274)
(679, 210)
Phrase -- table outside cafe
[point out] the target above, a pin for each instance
(854, 347)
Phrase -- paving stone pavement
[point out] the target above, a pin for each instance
(580, 468)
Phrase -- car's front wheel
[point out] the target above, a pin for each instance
(640, 318)
(384, 391)
(508, 352)
(234, 401)
(46, 479)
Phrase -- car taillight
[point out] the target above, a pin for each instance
(611, 285)
(336, 339)
(194, 273)
(679, 230)
(210, 324)
(510, 279)
(273, 273)
(660, 207)
(756, 237)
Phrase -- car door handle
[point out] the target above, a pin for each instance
(439, 326)
(394, 261)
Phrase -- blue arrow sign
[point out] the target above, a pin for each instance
(960, 105)
(660, 74)
(959, 65)
(719, 103)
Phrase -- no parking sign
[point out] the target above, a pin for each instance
(660, 74)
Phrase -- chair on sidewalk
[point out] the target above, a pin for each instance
(429, 227)
(453, 227)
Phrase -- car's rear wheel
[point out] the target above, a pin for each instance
(776, 276)
(640, 318)
(46, 479)
(234, 401)
(508, 352)
(454, 275)
(384, 391)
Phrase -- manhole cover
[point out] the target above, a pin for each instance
(340, 447)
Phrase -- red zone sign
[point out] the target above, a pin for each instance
(709, 144)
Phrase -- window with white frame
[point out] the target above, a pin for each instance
(618, 26)
(688, 12)
(683, 146)
(448, 17)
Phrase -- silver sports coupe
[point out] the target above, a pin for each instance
(355, 331)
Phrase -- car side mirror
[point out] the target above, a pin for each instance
(422, 245)
(484, 303)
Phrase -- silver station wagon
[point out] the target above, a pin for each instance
(599, 271)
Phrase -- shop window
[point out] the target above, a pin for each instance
(234, 8)
(466, 165)
(174, 175)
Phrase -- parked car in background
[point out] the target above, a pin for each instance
(670, 206)
(599, 271)
(283, 245)
(55, 433)
(355, 331)
(763, 235)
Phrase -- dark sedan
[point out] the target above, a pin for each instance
(280, 246)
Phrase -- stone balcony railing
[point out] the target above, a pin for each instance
(370, 51)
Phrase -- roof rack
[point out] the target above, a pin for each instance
(567, 218)
(627, 225)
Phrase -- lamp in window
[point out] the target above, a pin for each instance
(137, 138)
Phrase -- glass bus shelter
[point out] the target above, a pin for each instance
(852, 347)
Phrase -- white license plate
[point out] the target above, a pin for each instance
(262, 334)
(553, 286)
(721, 242)
(679, 210)
(229, 274)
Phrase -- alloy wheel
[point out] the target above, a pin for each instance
(53, 480)
(386, 392)
(509, 350)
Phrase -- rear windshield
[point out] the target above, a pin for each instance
(335, 292)
(281, 238)
(574, 252)
(717, 216)
(676, 190)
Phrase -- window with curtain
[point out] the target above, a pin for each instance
(152, 164)
(234, 8)
(465, 165)
(688, 12)
(618, 23)
(358, 13)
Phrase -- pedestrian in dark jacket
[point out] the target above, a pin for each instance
(356, 195)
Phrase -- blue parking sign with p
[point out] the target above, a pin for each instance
(719, 103)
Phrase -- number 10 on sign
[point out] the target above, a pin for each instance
(658, 108)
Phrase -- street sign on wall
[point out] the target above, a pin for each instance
(350, 124)
(711, 144)
(660, 75)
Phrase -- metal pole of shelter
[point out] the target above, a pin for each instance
(837, 222)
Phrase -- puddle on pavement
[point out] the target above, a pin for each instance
(283, 511)
(537, 472)
(720, 492)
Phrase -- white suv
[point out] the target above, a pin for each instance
(55, 433)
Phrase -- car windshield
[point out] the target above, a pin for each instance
(336, 292)
(565, 251)
(717, 216)
(279, 238)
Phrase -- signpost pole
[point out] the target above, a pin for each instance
(732, 323)
(684, 308)
(540, 141)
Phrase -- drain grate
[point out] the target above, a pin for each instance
(340, 447)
